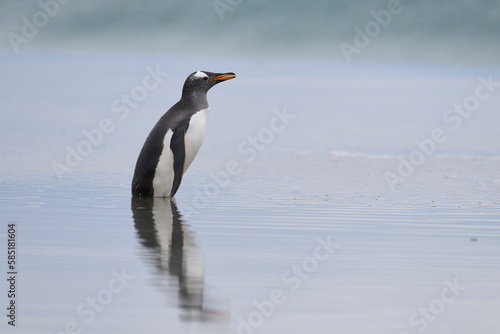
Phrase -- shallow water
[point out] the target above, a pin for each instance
(306, 236)
(206, 272)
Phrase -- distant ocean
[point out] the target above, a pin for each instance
(408, 30)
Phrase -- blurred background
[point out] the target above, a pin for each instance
(381, 72)
(418, 31)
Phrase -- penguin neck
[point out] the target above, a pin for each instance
(197, 99)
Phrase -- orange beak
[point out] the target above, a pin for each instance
(225, 76)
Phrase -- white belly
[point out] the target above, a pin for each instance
(164, 174)
(195, 135)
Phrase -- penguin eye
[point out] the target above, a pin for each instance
(205, 78)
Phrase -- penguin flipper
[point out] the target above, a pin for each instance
(178, 147)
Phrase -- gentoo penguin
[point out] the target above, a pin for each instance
(175, 140)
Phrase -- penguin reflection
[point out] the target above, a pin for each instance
(170, 248)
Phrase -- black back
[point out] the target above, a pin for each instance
(177, 120)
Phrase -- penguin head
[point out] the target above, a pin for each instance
(201, 81)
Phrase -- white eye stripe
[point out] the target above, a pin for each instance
(200, 74)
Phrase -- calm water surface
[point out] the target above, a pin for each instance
(306, 237)
(91, 257)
